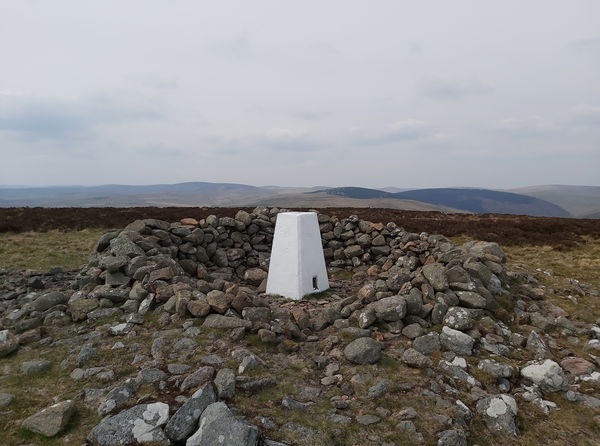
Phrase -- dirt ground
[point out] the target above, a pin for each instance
(502, 228)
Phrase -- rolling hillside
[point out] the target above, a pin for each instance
(470, 200)
(181, 194)
(580, 201)
(323, 199)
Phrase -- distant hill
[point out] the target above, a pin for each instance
(233, 194)
(595, 214)
(181, 194)
(471, 200)
(578, 200)
(323, 199)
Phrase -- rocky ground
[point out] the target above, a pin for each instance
(167, 337)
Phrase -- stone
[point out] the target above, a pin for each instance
(80, 308)
(390, 309)
(456, 341)
(363, 351)
(8, 343)
(218, 426)
(457, 372)
(51, 420)
(495, 369)
(577, 366)
(182, 424)
(49, 300)
(6, 399)
(219, 301)
(435, 273)
(118, 397)
(547, 374)
(471, 299)
(414, 302)
(139, 424)
(499, 413)
(368, 419)
(196, 379)
(439, 312)
(452, 437)
(151, 376)
(291, 426)
(35, 366)
(460, 318)
(220, 321)
(225, 383)
(414, 358)
(291, 404)
(198, 308)
(413, 331)
(427, 344)
(255, 276)
(123, 246)
(536, 344)
(366, 318)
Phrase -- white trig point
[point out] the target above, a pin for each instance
(297, 265)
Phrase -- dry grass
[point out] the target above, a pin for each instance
(46, 250)
(581, 262)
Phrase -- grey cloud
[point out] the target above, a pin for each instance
(449, 90)
(160, 150)
(285, 140)
(525, 127)
(584, 116)
(588, 47)
(406, 130)
(237, 47)
(36, 118)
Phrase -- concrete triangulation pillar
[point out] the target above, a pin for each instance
(297, 265)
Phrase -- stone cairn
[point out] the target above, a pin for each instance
(386, 280)
(197, 268)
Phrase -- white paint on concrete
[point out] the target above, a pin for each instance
(297, 265)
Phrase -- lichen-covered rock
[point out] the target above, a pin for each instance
(138, 425)
(547, 374)
(460, 318)
(413, 358)
(456, 341)
(219, 426)
(435, 274)
(495, 369)
(182, 424)
(499, 413)
(8, 343)
(225, 383)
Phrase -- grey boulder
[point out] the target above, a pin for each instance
(435, 274)
(8, 343)
(456, 341)
(51, 420)
(137, 425)
(547, 374)
(185, 420)
(219, 426)
(499, 413)
(363, 351)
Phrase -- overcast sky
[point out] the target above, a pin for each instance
(364, 93)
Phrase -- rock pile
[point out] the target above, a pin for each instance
(217, 266)
(414, 299)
